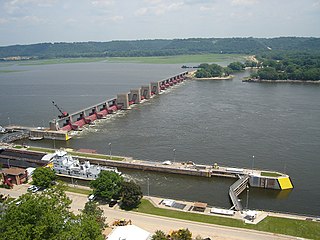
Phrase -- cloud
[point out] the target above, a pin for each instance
(116, 18)
(243, 2)
(159, 7)
(13, 6)
(102, 3)
(3, 21)
(104, 20)
(31, 20)
(316, 4)
(207, 8)
(141, 11)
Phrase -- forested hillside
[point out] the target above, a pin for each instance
(161, 47)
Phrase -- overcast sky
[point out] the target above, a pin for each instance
(34, 21)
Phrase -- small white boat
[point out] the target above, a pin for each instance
(35, 138)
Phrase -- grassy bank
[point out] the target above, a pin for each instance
(181, 59)
(285, 226)
(9, 71)
(60, 61)
(178, 59)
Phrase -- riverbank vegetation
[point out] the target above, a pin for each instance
(214, 70)
(301, 66)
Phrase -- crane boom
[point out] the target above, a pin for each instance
(63, 114)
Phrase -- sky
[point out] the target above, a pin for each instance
(35, 21)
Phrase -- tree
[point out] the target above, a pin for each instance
(91, 208)
(181, 234)
(107, 185)
(43, 177)
(268, 73)
(131, 195)
(236, 66)
(215, 70)
(46, 216)
(159, 235)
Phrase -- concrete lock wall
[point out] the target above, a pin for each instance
(123, 100)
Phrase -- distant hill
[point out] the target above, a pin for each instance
(160, 47)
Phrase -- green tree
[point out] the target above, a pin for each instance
(268, 73)
(181, 234)
(131, 195)
(159, 235)
(46, 216)
(215, 70)
(202, 73)
(43, 177)
(107, 185)
(91, 208)
(236, 66)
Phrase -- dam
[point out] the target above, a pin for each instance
(61, 128)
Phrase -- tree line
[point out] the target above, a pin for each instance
(161, 47)
(288, 66)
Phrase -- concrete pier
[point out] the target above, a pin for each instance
(123, 101)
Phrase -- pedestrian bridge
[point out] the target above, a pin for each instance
(236, 189)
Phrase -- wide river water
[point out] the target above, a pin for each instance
(226, 122)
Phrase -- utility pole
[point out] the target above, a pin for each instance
(148, 187)
(110, 149)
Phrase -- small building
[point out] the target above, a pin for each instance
(199, 206)
(129, 232)
(14, 175)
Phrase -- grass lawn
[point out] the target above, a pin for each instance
(37, 149)
(299, 228)
(89, 155)
(270, 174)
(99, 156)
(78, 190)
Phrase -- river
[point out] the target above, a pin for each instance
(227, 122)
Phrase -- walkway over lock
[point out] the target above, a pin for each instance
(236, 189)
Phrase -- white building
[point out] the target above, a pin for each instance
(129, 232)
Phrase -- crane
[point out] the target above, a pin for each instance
(63, 114)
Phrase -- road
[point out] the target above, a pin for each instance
(152, 223)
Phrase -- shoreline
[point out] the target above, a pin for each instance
(230, 77)
(281, 81)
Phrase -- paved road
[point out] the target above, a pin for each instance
(153, 223)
